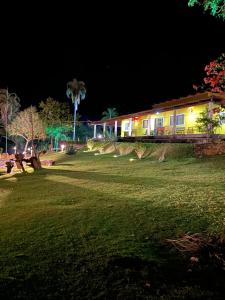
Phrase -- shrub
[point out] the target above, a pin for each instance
(71, 150)
(108, 148)
(140, 149)
(90, 145)
(124, 148)
(162, 151)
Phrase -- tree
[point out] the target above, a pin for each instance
(56, 116)
(216, 7)
(76, 91)
(9, 107)
(109, 114)
(214, 80)
(208, 122)
(28, 125)
(54, 112)
(215, 75)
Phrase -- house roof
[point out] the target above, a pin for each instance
(167, 105)
(192, 99)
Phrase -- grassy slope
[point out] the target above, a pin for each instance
(67, 231)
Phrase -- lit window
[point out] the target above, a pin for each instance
(179, 120)
(158, 122)
(126, 126)
(145, 124)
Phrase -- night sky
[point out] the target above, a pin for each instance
(129, 57)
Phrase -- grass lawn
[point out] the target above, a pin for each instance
(94, 227)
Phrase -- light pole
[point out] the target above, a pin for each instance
(6, 123)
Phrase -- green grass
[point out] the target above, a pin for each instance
(94, 227)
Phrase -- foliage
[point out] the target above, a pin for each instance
(71, 149)
(54, 112)
(28, 125)
(124, 148)
(207, 123)
(90, 145)
(109, 148)
(76, 91)
(216, 7)
(59, 132)
(214, 80)
(83, 131)
(140, 150)
(9, 106)
(109, 113)
(215, 72)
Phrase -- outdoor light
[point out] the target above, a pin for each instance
(14, 149)
(131, 159)
(157, 113)
(99, 136)
(62, 147)
(115, 155)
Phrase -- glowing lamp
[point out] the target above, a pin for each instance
(99, 136)
(62, 147)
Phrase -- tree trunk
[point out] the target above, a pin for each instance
(74, 122)
(26, 145)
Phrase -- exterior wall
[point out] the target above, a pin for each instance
(210, 149)
(191, 113)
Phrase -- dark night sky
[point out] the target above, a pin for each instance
(129, 57)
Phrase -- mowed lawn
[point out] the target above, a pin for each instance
(94, 227)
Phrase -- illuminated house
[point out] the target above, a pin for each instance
(174, 118)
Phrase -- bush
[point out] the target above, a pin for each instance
(176, 151)
(71, 147)
(108, 148)
(90, 145)
(124, 148)
(71, 150)
(142, 150)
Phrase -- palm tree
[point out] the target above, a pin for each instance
(76, 91)
(109, 114)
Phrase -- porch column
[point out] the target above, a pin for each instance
(104, 129)
(174, 122)
(149, 127)
(210, 115)
(130, 127)
(115, 128)
(95, 130)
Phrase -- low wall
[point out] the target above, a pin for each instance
(210, 149)
(7, 156)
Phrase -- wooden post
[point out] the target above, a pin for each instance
(115, 128)
(104, 129)
(95, 131)
(130, 127)
(174, 122)
(149, 127)
(210, 115)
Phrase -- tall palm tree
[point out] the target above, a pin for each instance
(76, 91)
(109, 114)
